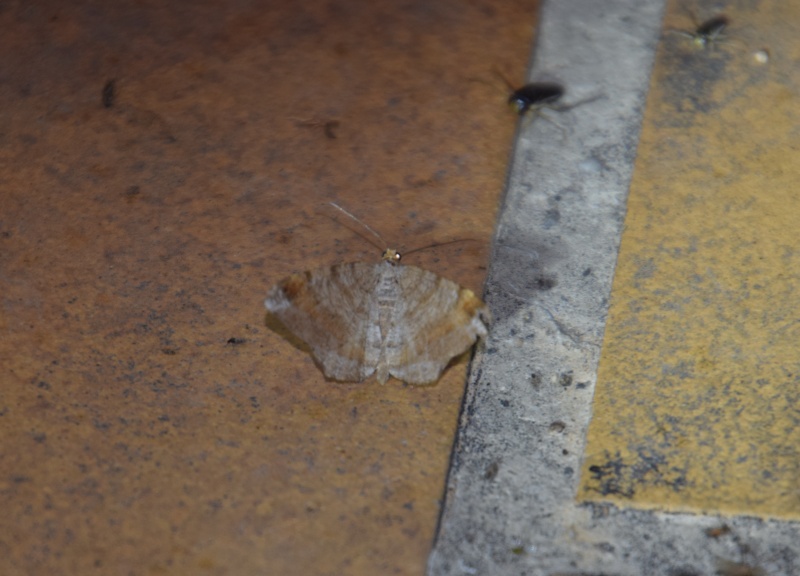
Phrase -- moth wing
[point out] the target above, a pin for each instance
(435, 320)
(326, 308)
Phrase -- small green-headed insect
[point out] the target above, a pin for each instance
(708, 33)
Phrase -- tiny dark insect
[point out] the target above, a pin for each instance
(233, 340)
(707, 33)
(492, 470)
(330, 127)
(535, 96)
(711, 29)
(718, 531)
(728, 568)
(109, 93)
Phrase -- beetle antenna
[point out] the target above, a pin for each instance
(503, 77)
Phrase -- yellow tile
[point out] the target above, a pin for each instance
(698, 397)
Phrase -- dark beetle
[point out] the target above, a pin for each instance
(534, 96)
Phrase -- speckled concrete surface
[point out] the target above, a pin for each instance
(161, 166)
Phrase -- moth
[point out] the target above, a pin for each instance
(385, 319)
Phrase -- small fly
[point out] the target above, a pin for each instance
(708, 33)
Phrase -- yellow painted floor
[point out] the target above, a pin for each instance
(162, 165)
(697, 406)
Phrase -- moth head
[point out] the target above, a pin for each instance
(391, 255)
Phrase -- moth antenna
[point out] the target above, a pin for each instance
(437, 244)
(382, 244)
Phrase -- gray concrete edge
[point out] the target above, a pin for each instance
(510, 499)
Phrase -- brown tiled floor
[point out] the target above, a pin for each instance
(152, 422)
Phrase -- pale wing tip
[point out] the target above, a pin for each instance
(480, 327)
(276, 300)
(481, 320)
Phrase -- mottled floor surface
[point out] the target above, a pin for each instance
(161, 166)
